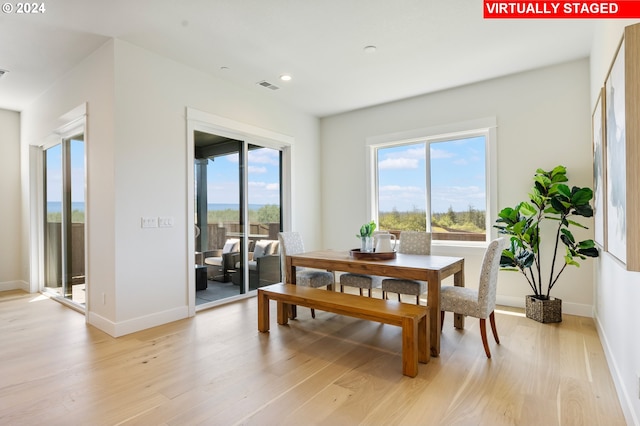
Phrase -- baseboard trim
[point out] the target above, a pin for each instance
(623, 395)
(15, 285)
(567, 307)
(117, 329)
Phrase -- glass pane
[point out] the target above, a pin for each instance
(458, 189)
(264, 216)
(402, 188)
(224, 219)
(76, 273)
(53, 219)
(219, 230)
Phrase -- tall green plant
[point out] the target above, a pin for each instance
(549, 200)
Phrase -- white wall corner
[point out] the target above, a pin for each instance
(15, 285)
(623, 396)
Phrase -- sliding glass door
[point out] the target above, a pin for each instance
(237, 216)
(64, 219)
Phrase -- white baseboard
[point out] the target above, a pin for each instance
(137, 324)
(567, 308)
(14, 285)
(623, 395)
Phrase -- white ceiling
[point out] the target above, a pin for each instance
(422, 45)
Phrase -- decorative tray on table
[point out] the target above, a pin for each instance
(357, 254)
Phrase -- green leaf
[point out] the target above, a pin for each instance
(590, 252)
(527, 209)
(585, 210)
(579, 225)
(581, 196)
(559, 172)
(564, 191)
(559, 206)
(568, 234)
(586, 244)
(569, 261)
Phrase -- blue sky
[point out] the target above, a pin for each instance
(54, 172)
(264, 178)
(457, 176)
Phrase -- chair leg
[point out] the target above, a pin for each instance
(360, 292)
(399, 298)
(441, 320)
(492, 320)
(417, 300)
(384, 295)
(483, 333)
(369, 292)
(313, 313)
(341, 288)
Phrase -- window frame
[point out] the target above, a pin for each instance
(480, 127)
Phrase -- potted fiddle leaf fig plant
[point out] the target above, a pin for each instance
(551, 202)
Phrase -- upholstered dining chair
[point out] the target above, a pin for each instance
(290, 244)
(359, 281)
(478, 303)
(411, 242)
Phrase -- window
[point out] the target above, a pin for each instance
(439, 182)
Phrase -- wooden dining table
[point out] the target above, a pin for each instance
(429, 268)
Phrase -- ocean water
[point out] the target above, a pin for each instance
(56, 206)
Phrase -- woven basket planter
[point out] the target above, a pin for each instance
(545, 311)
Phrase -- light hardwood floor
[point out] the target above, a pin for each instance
(216, 369)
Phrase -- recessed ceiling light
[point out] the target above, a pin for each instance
(285, 77)
(370, 49)
(224, 68)
(3, 72)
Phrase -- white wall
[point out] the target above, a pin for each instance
(137, 166)
(543, 120)
(617, 292)
(11, 276)
(90, 82)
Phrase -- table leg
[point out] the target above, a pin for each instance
(290, 272)
(433, 303)
(458, 280)
(283, 313)
(263, 311)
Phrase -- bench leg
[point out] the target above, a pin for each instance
(424, 342)
(410, 341)
(263, 311)
(283, 313)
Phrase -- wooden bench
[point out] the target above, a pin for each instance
(413, 319)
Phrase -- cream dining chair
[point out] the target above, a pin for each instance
(411, 242)
(290, 244)
(478, 303)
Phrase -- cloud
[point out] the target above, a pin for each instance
(458, 197)
(437, 154)
(255, 169)
(264, 156)
(263, 186)
(398, 163)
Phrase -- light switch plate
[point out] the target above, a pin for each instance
(165, 222)
(149, 222)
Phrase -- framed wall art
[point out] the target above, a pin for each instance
(599, 172)
(621, 147)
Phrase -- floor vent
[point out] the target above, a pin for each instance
(268, 85)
